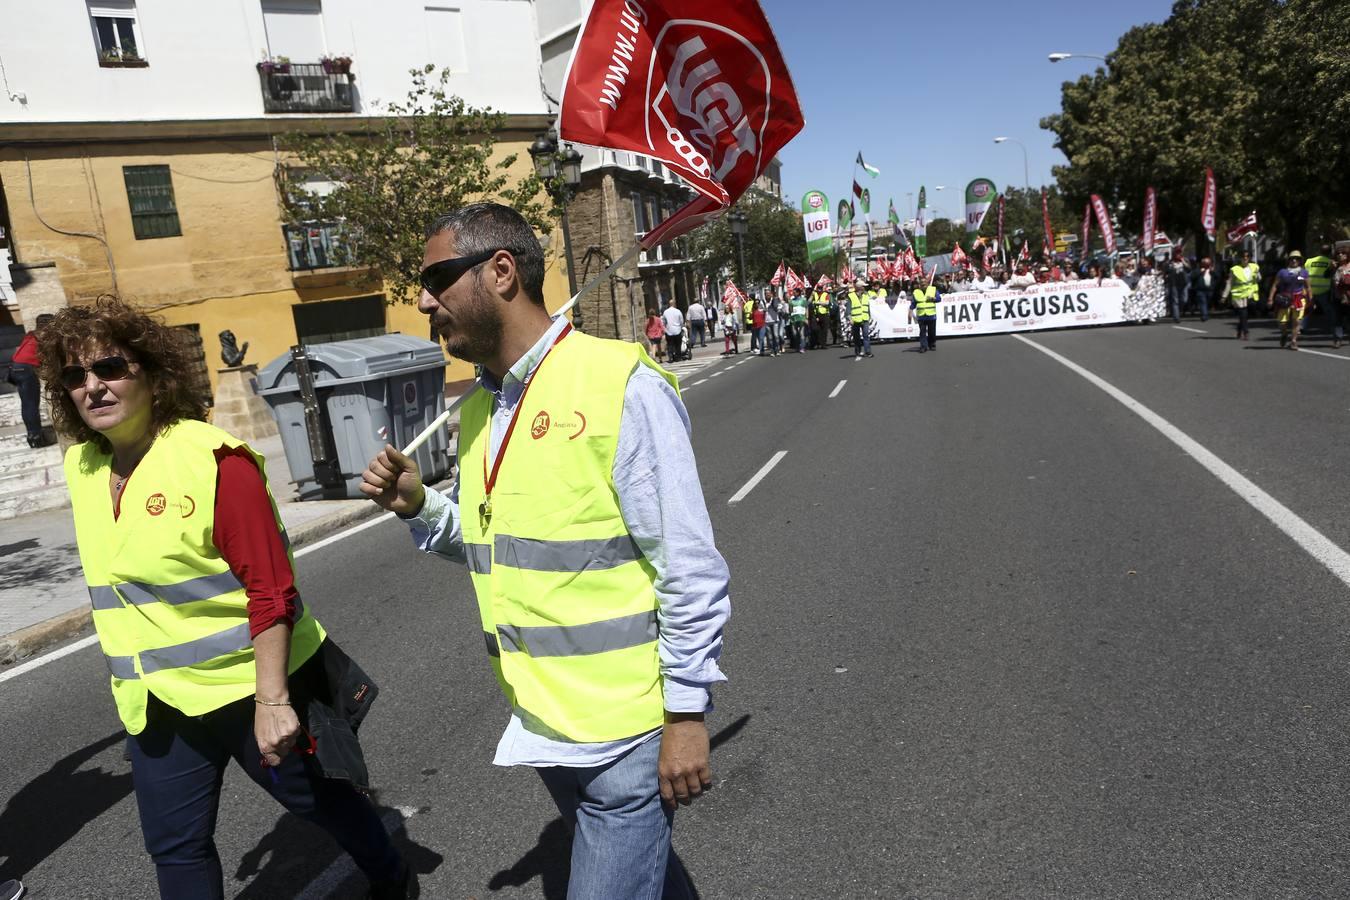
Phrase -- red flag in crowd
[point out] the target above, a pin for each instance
(1000, 220)
(1150, 219)
(1246, 226)
(1087, 231)
(777, 278)
(1104, 223)
(990, 257)
(1024, 255)
(912, 267)
(1209, 214)
(732, 294)
(716, 105)
(703, 290)
(1045, 221)
(959, 257)
(795, 282)
(825, 283)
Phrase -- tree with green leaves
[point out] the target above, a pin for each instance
(431, 154)
(1258, 90)
(773, 235)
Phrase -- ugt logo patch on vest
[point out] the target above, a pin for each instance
(155, 504)
(540, 426)
(573, 426)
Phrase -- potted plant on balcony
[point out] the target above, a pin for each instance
(278, 65)
(336, 65)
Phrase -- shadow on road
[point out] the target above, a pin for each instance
(551, 858)
(295, 852)
(51, 809)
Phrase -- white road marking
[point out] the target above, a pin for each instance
(1196, 330)
(758, 477)
(333, 539)
(1318, 545)
(837, 388)
(1326, 354)
(49, 657)
(343, 867)
(697, 383)
(714, 375)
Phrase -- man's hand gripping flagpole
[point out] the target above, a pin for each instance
(716, 106)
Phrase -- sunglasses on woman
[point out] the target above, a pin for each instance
(110, 368)
(437, 277)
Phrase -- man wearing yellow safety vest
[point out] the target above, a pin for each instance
(923, 309)
(820, 319)
(1320, 268)
(1244, 286)
(858, 303)
(579, 514)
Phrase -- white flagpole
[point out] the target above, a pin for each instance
(450, 410)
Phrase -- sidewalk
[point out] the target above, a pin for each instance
(43, 598)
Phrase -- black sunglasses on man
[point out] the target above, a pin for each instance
(439, 276)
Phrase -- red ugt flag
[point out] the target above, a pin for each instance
(1150, 219)
(697, 84)
(777, 278)
(1209, 214)
(959, 257)
(1104, 223)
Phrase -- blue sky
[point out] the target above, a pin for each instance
(922, 89)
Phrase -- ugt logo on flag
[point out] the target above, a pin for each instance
(706, 92)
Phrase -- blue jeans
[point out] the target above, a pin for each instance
(177, 766)
(621, 829)
(1326, 307)
(862, 337)
(1202, 301)
(23, 377)
(1176, 300)
(759, 340)
(696, 332)
(927, 331)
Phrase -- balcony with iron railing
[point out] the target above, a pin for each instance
(305, 88)
(315, 245)
(671, 253)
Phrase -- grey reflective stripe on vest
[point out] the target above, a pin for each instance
(123, 667)
(231, 640)
(480, 558)
(190, 591)
(579, 640)
(491, 640)
(104, 597)
(565, 556)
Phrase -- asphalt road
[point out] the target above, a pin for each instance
(993, 636)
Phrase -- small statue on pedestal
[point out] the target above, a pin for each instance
(230, 351)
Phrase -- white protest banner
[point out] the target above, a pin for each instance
(1060, 304)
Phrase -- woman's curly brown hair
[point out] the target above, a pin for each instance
(161, 352)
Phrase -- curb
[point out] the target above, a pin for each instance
(28, 641)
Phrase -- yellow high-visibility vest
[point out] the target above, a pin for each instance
(821, 302)
(749, 311)
(1319, 274)
(566, 598)
(1246, 281)
(859, 307)
(925, 301)
(171, 617)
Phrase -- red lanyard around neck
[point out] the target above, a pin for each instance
(490, 478)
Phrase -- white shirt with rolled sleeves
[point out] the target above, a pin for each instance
(662, 504)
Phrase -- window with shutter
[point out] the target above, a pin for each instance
(154, 213)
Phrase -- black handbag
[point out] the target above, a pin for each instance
(338, 695)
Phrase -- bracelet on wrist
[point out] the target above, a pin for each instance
(261, 702)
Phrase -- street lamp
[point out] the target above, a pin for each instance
(561, 174)
(1060, 57)
(738, 221)
(1026, 168)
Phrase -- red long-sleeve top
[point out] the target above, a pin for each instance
(245, 532)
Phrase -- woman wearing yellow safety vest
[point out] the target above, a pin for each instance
(211, 653)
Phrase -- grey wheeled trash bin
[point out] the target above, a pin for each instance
(367, 392)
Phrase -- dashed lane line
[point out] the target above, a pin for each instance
(1318, 545)
(1326, 354)
(837, 388)
(1193, 330)
(758, 477)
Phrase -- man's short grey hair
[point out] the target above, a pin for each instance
(480, 227)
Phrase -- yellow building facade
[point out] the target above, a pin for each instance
(233, 265)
